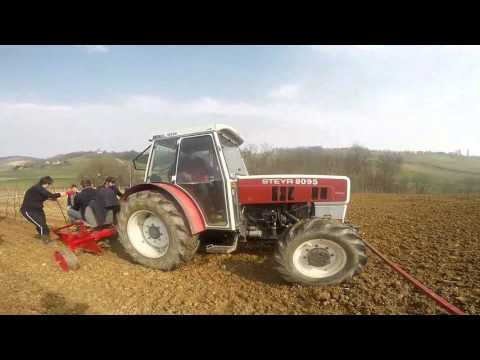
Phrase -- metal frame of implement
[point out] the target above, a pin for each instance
(82, 237)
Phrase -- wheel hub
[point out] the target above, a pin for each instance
(148, 234)
(318, 257)
(154, 232)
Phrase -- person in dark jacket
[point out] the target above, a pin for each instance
(107, 199)
(81, 201)
(111, 183)
(32, 206)
(72, 192)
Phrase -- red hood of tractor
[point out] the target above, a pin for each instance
(274, 189)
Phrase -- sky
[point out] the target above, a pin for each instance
(59, 99)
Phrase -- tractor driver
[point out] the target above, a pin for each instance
(198, 177)
(194, 170)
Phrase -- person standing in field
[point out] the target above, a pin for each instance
(32, 206)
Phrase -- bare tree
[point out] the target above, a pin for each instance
(388, 165)
(98, 168)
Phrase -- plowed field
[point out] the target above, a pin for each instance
(435, 238)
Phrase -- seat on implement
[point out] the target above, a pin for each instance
(91, 217)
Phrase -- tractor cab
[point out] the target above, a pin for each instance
(204, 162)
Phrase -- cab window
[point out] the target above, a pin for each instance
(163, 160)
(199, 173)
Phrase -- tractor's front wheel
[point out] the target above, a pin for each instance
(154, 233)
(320, 252)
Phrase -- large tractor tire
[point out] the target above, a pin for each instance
(154, 233)
(320, 252)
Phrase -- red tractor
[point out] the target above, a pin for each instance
(196, 183)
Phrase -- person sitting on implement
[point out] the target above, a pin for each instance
(106, 199)
(32, 206)
(112, 184)
(81, 201)
(71, 193)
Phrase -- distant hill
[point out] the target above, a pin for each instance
(17, 158)
(125, 155)
(12, 161)
(64, 168)
(7, 162)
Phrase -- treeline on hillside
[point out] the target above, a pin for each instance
(124, 155)
(99, 167)
(369, 171)
(366, 174)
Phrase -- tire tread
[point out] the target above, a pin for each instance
(186, 243)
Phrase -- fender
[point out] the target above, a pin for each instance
(190, 209)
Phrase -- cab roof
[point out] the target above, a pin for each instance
(225, 130)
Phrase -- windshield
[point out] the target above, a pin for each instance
(233, 157)
(163, 160)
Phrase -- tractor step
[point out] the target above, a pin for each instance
(222, 249)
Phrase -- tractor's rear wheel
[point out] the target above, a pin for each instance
(154, 233)
(320, 252)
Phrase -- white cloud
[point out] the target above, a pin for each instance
(327, 47)
(46, 129)
(336, 48)
(388, 121)
(33, 107)
(148, 104)
(463, 48)
(368, 47)
(95, 48)
(284, 92)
